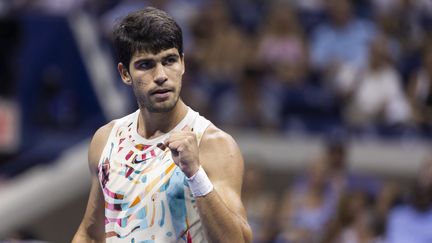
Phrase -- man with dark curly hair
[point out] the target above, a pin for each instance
(163, 173)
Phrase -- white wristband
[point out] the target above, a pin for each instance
(199, 183)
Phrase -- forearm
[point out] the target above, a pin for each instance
(220, 223)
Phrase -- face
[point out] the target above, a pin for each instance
(155, 79)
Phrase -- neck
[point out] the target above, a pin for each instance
(151, 124)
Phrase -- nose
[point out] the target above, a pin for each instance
(159, 74)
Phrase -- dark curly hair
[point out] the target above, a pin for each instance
(150, 29)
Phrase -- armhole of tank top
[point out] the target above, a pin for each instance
(201, 126)
(117, 123)
(100, 160)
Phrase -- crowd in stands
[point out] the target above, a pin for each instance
(328, 203)
(293, 66)
(284, 65)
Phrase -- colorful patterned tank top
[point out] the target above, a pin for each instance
(147, 198)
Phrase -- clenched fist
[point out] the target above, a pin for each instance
(184, 150)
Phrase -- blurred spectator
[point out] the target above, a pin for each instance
(221, 51)
(393, 27)
(340, 178)
(260, 203)
(385, 6)
(244, 107)
(282, 48)
(355, 221)
(420, 91)
(363, 202)
(311, 13)
(282, 54)
(412, 222)
(248, 13)
(389, 195)
(343, 39)
(335, 158)
(374, 93)
(400, 21)
(307, 208)
(297, 104)
(313, 200)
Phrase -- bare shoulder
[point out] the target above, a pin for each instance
(219, 153)
(97, 144)
(215, 139)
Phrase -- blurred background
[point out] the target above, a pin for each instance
(329, 100)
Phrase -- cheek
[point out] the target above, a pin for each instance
(140, 87)
(179, 77)
(175, 77)
(177, 70)
(180, 73)
(141, 80)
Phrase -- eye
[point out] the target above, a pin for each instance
(145, 65)
(170, 60)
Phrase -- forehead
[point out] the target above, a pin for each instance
(148, 55)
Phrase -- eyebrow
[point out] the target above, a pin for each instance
(170, 55)
(139, 60)
(144, 60)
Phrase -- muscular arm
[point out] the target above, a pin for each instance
(91, 228)
(222, 212)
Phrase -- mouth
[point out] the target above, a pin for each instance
(160, 91)
(161, 94)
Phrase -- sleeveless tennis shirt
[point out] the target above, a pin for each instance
(147, 198)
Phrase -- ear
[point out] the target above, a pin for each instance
(183, 64)
(124, 74)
